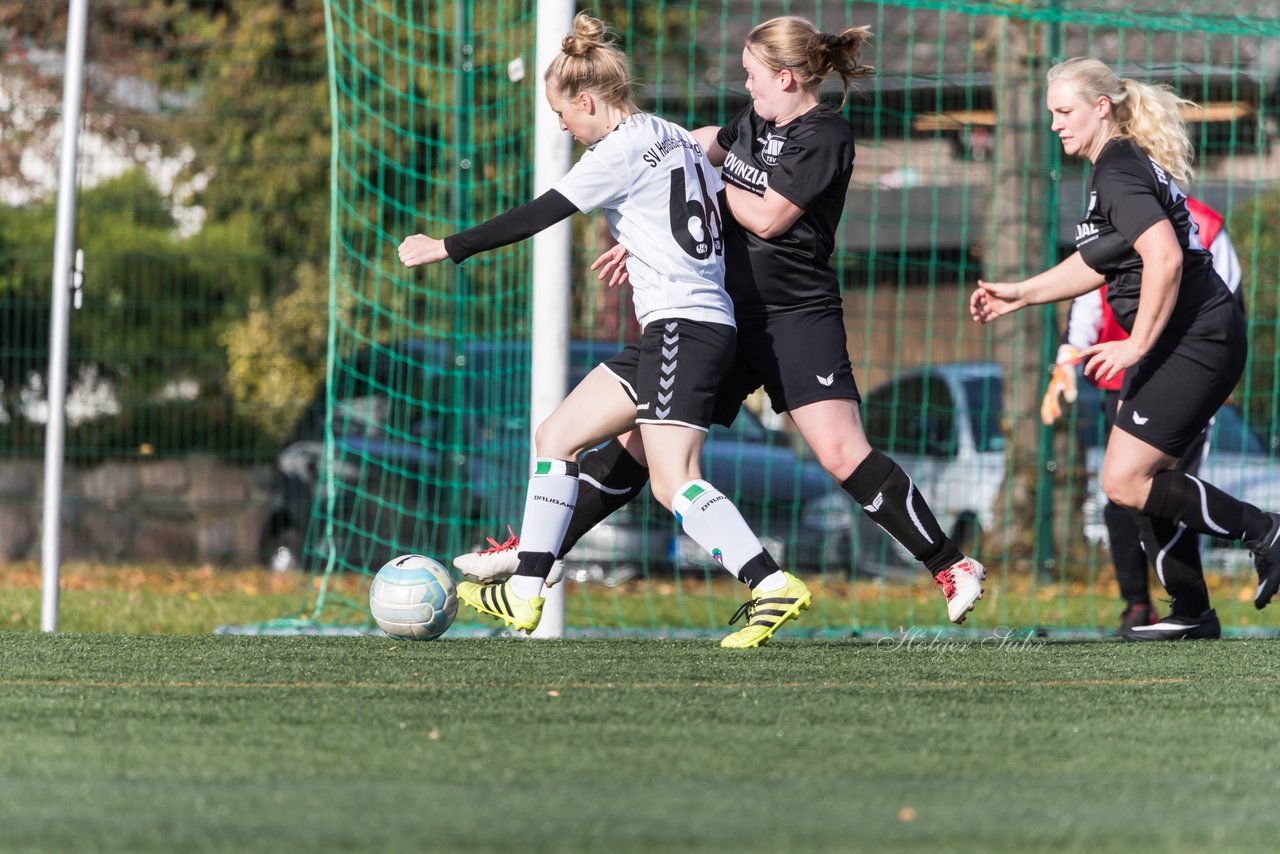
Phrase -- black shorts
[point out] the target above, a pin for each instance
(1188, 463)
(800, 356)
(673, 374)
(1171, 395)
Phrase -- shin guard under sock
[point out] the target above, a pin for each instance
(713, 522)
(1172, 549)
(1126, 554)
(1202, 507)
(892, 501)
(608, 478)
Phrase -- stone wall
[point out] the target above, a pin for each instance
(191, 510)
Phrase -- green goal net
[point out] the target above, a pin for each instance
(423, 442)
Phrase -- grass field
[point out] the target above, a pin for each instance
(129, 743)
(192, 742)
(196, 600)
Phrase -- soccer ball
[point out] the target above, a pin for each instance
(413, 597)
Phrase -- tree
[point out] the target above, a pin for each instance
(155, 303)
(243, 84)
(1257, 243)
(262, 130)
(1014, 244)
(240, 90)
(277, 348)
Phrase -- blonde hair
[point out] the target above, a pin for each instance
(1148, 114)
(795, 44)
(589, 61)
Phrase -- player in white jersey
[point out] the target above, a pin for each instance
(660, 196)
(788, 160)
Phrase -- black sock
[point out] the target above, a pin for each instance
(1126, 554)
(757, 569)
(611, 467)
(891, 500)
(1203, 508)
(1175, 554)
(537, 564)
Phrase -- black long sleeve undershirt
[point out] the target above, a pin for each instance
(516, 224)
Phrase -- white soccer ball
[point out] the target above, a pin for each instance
(413, 597)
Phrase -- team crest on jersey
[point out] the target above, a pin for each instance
(1093, 201)
(770, 147)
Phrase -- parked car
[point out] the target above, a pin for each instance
(799, 512)
(439, 476)
(942, 424)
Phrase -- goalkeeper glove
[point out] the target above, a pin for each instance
(1062, 382)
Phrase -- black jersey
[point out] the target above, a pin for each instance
(807, 161)
(1129, 193)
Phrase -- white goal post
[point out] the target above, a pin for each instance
(553, 152)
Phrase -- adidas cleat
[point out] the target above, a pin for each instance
(1266, 558)
(766, 611)
(1173, 627)
(961, 584)
(498, 600)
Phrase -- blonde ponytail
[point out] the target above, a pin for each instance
(1152, 117)
(1148, 114)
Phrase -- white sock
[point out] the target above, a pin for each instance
(712, 520)
(776, 581)
(526, 586)
(548, 505)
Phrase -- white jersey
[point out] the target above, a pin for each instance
(660, 196)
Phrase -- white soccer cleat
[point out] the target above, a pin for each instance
(499, 561)
(961, 583)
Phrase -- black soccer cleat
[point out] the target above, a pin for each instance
(1204, 627)
(1266, 559)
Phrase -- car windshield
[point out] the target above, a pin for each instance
(746, 428)
(985, 405)
(1230, 434)
(1089, 421)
